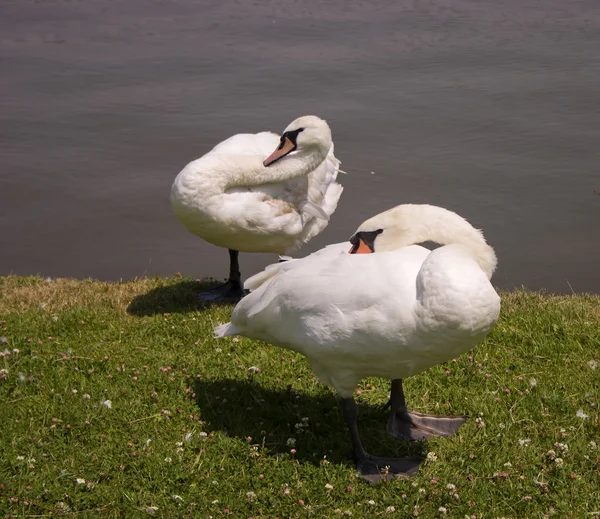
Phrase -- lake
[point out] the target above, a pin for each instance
(490, 108)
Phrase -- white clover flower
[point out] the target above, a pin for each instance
(431, 456)
(151, 510)
(593, 364)
(593, 445)
(202, 434)
(370, 502)
(291, 442)
(328, 486)
(450, 486)
(250, 495)
(168, 460)
(559, 462)
(508, 464)
(422, 491)
(188, 437)
(20, 458)
(178, 444)
(524, 442)
(85, 396)
(177, 498)
(107, 403)
(581, 414)
(532, 382)
(215, 502)
(390, 510)
(442, 510)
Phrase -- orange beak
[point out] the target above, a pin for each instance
(284, 148)
(362, 248)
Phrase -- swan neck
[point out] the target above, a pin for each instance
(295, 165)
(428, 223)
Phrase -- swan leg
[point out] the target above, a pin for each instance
(410, 425)
(232, 290)
(372, 468)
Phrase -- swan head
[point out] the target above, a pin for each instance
(309, 134)
(380, 233)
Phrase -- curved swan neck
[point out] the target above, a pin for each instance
(411, 224)
(296, 164)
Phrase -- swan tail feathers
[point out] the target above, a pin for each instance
(225, 330)
(252, 283)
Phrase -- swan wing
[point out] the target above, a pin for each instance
(333, 304)
(325, 280)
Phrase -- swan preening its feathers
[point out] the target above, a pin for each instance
(260, 193)
(391, 314)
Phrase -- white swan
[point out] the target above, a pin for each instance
(392, 314)
(246, 197)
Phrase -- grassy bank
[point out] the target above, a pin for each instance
(117, 402)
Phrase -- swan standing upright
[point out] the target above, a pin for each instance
(391, 314)
(246, 197)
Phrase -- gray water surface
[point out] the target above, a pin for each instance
(490, 108)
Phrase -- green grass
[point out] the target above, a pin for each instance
(194, 432)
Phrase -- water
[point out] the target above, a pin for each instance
(489, 108)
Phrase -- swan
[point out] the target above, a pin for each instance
(392, 314)
(259, 193)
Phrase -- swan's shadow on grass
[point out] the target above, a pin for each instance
(245, 409)
(178, 298)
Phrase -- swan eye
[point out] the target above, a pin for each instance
(287, 144)
(363, 242)
(291, 135)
